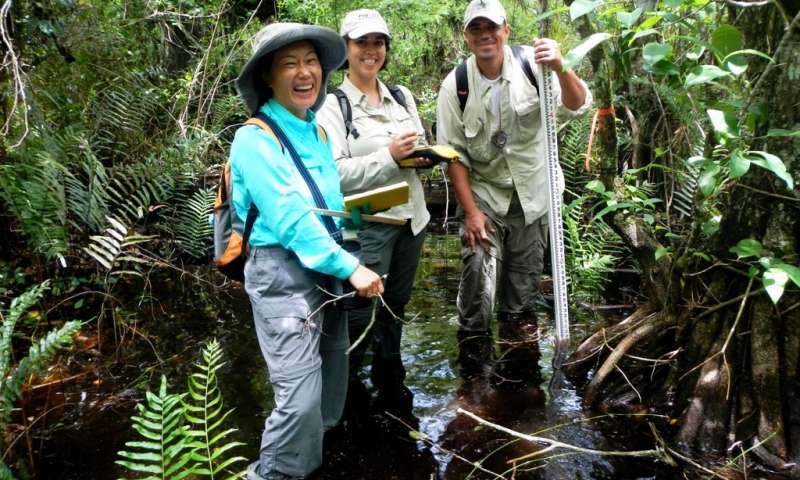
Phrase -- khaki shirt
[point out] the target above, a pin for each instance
(365, 163)
(521, 165)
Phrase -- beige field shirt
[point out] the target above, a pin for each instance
(521, 165)
(365, 163)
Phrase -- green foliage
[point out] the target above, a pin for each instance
(117, 247)
(183, 434)
(192, 228)
(40, 353)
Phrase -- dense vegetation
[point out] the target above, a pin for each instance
(116, 117)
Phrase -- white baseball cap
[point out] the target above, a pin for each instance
(358, 23)
(491, 10)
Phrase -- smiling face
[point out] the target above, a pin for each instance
(295, 77)
(486, 39)
(366, 55)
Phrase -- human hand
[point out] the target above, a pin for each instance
(547, 52)
(366, 282)
(477, 226)
(403, 145)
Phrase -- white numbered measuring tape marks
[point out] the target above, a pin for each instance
(548, 112)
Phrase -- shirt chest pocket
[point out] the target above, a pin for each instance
(477, 137)
(526, 104)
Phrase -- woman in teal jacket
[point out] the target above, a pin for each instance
(291, 251)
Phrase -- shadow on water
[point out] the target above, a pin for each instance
(379, 447)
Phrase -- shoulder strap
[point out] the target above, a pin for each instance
(347, 112)
(398, 95)
(319, 200)
(519, 54)
(462, 84)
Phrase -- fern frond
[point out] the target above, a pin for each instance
(165, 451)
(18, 306)
(205, 415)
(117, 246)
(192, 229)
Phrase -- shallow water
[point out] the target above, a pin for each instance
(381, 448)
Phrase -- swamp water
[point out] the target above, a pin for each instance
(380, 448)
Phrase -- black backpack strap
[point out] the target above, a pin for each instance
(319, 200)
(252, 213)
(398, 95)
(462, 84)
(347, 112)
(519, 54)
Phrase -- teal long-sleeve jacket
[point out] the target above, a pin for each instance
(264, 174)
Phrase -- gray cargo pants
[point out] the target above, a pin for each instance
(305, 358)
(508, 269)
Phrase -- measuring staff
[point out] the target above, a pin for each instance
(493, 120)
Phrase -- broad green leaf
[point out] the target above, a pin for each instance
(654, 52)
(708, 179)
(720, 123)
(725, 40)
(596, 186)
(774, 164)
(711, 227)
(739, 164)
(791, 270)
(576, 54)
(643, 33)
(748, 247)
(779, 132)
(580, 8)
(736, 65)
(704, 74)
(748, 51)
(650, 22)
(673, 3)
(556, 11)
(774, 283)
(660, 252)
(628, 19)
(696, 52)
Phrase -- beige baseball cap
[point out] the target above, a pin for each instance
(490, 9)
(358, 23)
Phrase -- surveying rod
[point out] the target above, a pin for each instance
(557, 259)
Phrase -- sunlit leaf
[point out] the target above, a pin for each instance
(774, 283)
(739, 164)
(660, 252)
(708, 179)
(596, 186)
(720, 123)
(696, 52)
(654, 52)
(580, 8)
(774, 164)
(576, 54)
(643, 33)
(748, 247)
(704, 74)
(792, 271)
(628, 19)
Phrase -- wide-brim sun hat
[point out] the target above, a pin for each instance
(364, 21)
(331, 51)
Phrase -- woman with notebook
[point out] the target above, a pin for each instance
(372, 127)
(281, 165)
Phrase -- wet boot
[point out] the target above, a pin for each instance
(517, 368)
(388, 373)
(475, 361)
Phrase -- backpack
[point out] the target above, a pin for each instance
(231, 237)
(347, 109)
(462, 84)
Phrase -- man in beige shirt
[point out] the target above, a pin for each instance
(501, 185)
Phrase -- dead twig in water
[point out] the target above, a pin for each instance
(416, 434)
(551, 444)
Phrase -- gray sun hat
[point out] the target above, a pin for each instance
(330, 48)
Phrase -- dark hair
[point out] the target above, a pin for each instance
(387, 41)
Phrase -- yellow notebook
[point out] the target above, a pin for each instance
(437, 153)
(380, 198)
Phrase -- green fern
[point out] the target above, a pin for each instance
(192, 230)
(183, 433)
(164, 453)
(204, 412)
(117, 247)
